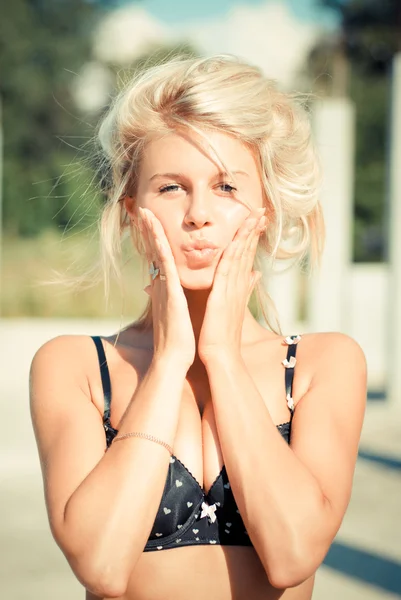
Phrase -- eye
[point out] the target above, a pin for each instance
(228, 188)
(173, 187)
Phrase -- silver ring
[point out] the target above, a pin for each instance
(153, 270)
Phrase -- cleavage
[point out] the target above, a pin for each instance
(196, 443)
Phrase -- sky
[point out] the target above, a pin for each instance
(174, 11)
(275, 35)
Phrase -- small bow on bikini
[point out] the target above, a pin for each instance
(208, 511)
(292, 340)
(289, 363)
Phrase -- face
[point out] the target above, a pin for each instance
(195, 202)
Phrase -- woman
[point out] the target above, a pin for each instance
(227, 469)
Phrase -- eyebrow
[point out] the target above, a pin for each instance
(181, 175)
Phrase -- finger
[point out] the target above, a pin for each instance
(244, 254)
(251, 246)
(245, 236)
(150, 255)
(154, 251)
(165, 258)
(224, 267)
(227, 271)
(249, 225)
(255, 277)
(145, 226)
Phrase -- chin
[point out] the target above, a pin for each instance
(197, 279)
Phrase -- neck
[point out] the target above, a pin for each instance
(197, 302)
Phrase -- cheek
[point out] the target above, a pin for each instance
(170, 228)
(165, 215)
(173, 232)
(232, 219)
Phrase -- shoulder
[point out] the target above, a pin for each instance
(338, 376)
(333, 350)
(70, 349)
(64, 356)
(327, 361)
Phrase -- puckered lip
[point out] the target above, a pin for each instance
(199, 245)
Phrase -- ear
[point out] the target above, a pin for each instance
(130, 206)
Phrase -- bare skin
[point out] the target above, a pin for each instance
(184, 573)
(205, 371)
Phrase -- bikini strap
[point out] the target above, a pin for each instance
(105, 375)
(289, 363)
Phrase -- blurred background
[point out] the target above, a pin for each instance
(61, 62)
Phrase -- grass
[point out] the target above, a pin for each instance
(29, 262)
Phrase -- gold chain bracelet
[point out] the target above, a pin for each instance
(146, 436)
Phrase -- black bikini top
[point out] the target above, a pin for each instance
(188, 515)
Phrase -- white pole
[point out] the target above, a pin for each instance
(394, 244)
(334, 128)
(1, 194)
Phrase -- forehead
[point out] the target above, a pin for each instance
(189, 153)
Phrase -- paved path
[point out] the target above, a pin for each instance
(364, 562)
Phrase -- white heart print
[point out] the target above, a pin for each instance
(189, 504)
(195, 531)
(178, 483)
(159, 547)
(228, 524)
(158, 534)
(213, 541)
(227, 531)
(172, 460)
(197, 539)
(179, 526)
(227, 485)
(167, 511)
(178, 541)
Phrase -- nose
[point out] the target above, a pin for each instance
(198, 213)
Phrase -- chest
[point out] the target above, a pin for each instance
(196, 441)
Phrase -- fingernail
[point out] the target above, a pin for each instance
(261, 211)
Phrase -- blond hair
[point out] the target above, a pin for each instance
(221, 93)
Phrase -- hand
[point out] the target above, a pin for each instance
(233, 283)
(172, 328)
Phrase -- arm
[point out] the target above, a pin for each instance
(292, 499)
(101, 506)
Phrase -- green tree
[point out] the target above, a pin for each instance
(48, 156)
(42, 44)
